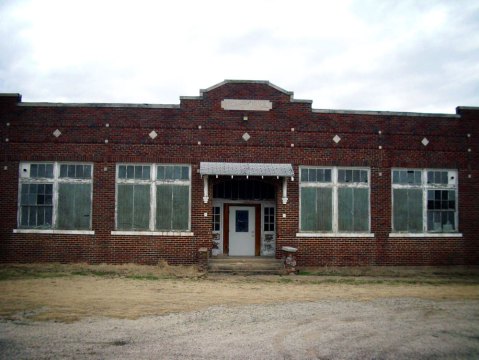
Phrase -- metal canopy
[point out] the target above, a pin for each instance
(245, 169)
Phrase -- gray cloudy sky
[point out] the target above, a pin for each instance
(366, 55)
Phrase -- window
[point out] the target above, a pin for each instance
(153, 197)
(55, 196)
(216, 218)
(424, 201)
(268, 219)
(334, 200)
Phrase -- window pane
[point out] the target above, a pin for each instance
(130, 172)
(242, 223)
(353, 209)
(308, 209)
(141, 204)
(87, 172)
(345, 209)
(177, 172)
(361, 210)
(407, 210)
(74, 206)
(41, 170)
(181, 205)
(185, 173)
(125, 207)
(356, 176)
(63, 171)
(169, 172)
(304, 174)
(160, 175)
(327, 175)
(146, 173)
(33, 170)
(36, 205)
(122, 172)
(316, 209)
(133, 207)
(49, 171)
(71, 171)
(164, 202)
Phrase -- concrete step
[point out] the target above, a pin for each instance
(245, 265)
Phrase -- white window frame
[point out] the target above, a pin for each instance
(152, 182)
(335, 185)
(24, 178)
(424, 187)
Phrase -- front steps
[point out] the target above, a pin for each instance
(245, 265)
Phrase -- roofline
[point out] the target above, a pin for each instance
(101, 105)
(15, 95)
(476, 108)
(383, 113)
(263, 82)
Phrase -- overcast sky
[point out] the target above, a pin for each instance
(393, 55)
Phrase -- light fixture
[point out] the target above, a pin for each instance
(245, 117)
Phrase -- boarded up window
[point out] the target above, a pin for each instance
(407, 210)
(133, 207)
(316, 209)
(74, 206)
(353, 209)
(172, 204)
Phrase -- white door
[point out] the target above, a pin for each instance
(242, 231)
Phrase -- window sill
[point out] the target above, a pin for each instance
(51, 231)
(424, 235)
(336, 235)
(153, 233)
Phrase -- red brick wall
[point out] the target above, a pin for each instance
(84, 132)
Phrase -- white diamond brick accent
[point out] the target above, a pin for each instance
(425, 141)
(246, 136)
(336, 139)
(57, 133)
(153, 134)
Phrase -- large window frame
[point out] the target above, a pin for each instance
(428, 182)
(154, 181)
(54, 178)
(336, 179)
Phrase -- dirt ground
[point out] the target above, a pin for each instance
(72, 298)
(133, 314)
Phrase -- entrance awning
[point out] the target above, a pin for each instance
(245, 169)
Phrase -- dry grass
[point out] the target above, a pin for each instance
(51, 270)
(71, 292)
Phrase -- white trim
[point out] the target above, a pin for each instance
(423, 235)
(38, 231)
(154, 233)
(336, 235)
(385, 113)
(334, 185)
(56, 180)
(425, 187)
(152, 182)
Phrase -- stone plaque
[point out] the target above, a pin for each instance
(247, 105)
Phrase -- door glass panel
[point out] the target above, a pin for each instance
(242, 220)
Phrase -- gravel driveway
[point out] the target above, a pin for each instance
(403, 328)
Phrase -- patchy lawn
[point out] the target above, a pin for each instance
(71, 292)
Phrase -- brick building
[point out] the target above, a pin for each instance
(242, 169)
